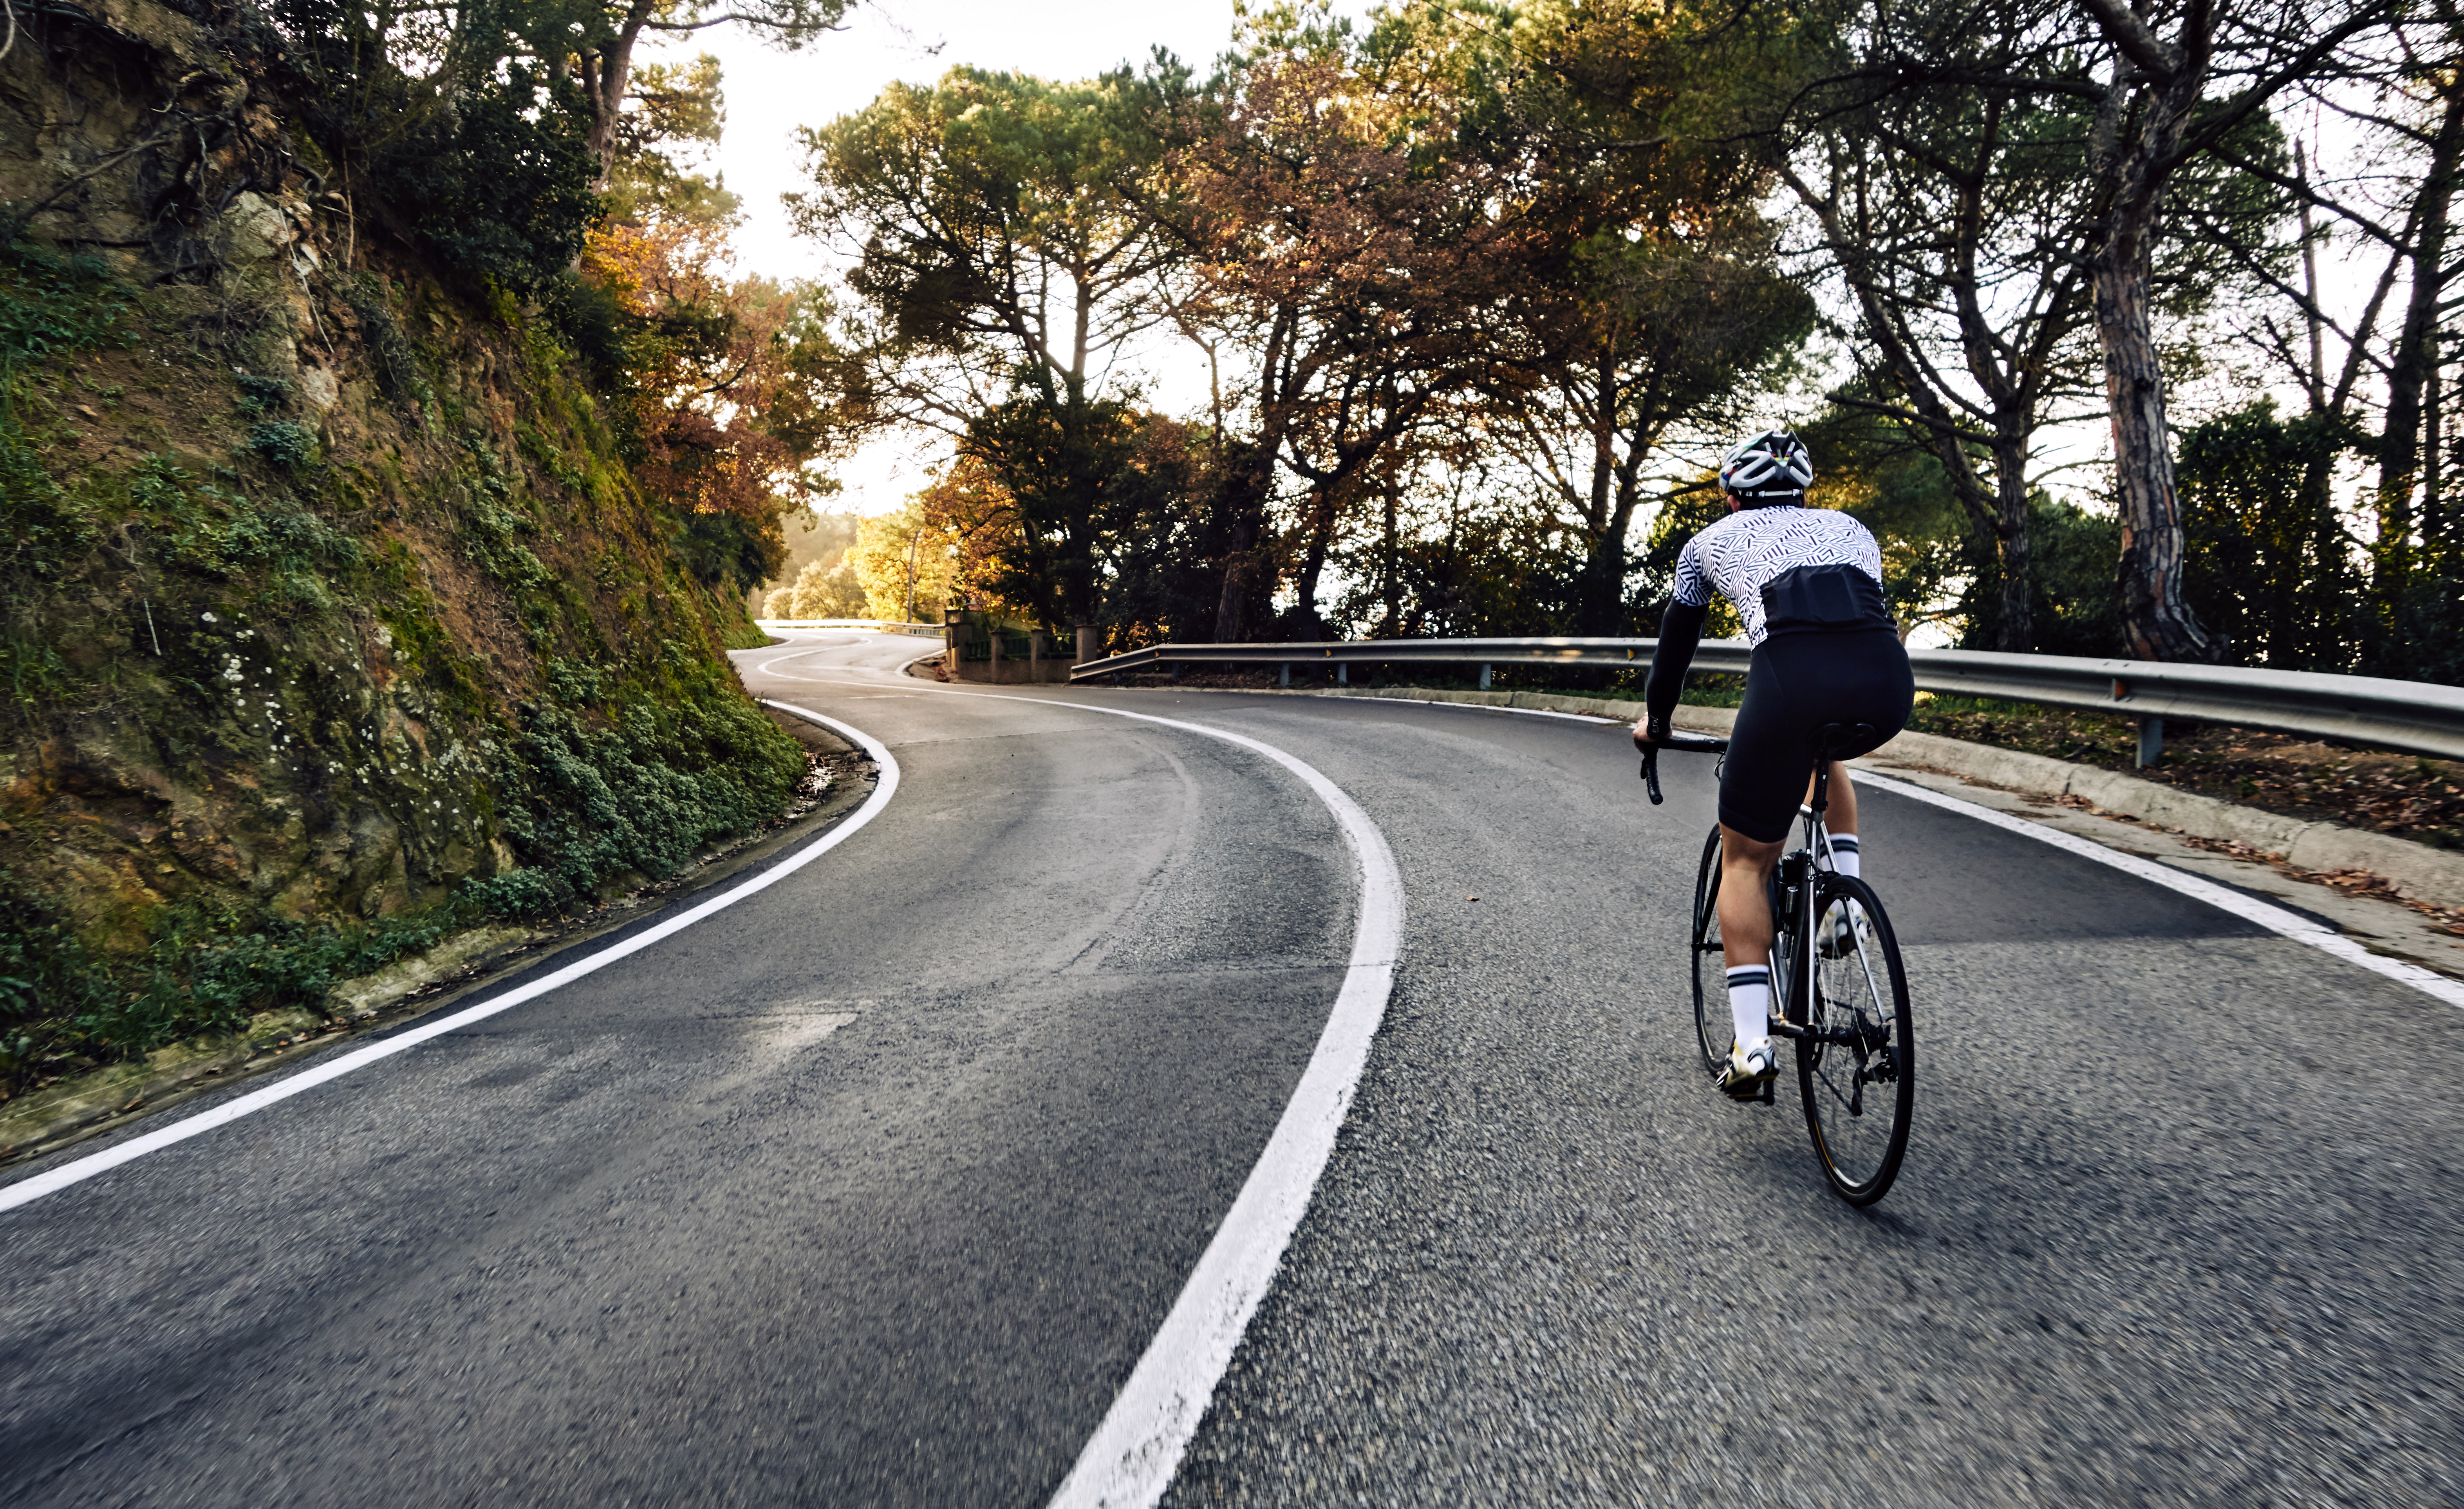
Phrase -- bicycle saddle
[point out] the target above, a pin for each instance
(1846, 741)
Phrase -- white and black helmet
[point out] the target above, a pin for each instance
(1773, 465)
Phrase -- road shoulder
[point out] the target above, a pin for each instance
(109, 1099)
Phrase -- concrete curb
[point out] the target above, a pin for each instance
(2435, 876)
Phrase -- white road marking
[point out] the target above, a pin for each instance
(1133, 1454)
(86, 1168)
(2274, 918)
(1135, 1451)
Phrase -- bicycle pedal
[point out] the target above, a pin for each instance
(1765, 1098)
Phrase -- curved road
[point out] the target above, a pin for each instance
(871, 1188)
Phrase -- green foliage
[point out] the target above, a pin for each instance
(2421, 631)
(586, 808)
(2270, 566)
(261, 395)
(574, 683)
(52, 978)
(1059, 463)
(51, 308)
(493, 527)
(729, 553)
(1470, 566)
(483, 160)
(204, 529)
(395, 359)
(676, 104)
(2077, 600)
(595, 324)
(285, 442)
(52, 305)
(550, 458)
(504, 195)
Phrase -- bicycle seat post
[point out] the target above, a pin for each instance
(1830, 742)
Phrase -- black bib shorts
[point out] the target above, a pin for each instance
(1797, 683)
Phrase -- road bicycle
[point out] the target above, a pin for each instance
(1837, 990)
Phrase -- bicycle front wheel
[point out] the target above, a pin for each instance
(1855, 1064)
(1713, 1026)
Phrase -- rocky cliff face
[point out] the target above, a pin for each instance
(331, 612)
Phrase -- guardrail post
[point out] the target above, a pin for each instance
(1343, 674)
(2151, 741)
(1285, 680)
(1484, 678)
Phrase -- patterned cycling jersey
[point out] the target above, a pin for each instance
(1750, 547)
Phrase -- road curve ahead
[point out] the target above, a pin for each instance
(872, 1190)
(868, 1189)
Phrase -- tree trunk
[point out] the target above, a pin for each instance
(1393, 588)
(606, 85)
(1600, 587)
(2416, 349)
(2434, 538)
(2014, 546)
(1323, 515)
(2156, 621)
(1243, 530)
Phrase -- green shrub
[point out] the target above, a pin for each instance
(285, 442)
(261, 395)
(585, 807)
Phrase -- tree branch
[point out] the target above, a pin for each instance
(2123, 28)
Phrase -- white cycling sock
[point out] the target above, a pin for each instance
(1847, 856)
(1750, 1002)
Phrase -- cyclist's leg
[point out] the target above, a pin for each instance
(1766, 763)
(1744, 897)
(1745, 949)
(1840, 820)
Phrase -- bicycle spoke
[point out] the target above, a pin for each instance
(1856, 1067)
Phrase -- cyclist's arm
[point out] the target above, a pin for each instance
(1680, 629)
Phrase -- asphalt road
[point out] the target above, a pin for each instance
(872, 1189)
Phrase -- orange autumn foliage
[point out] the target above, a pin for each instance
(721, 402)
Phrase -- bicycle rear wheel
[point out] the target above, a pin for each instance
(1856, 1065)
(1713, 1024)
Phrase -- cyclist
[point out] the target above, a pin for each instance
(1808, 583)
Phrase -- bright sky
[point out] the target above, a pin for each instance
(771, 94)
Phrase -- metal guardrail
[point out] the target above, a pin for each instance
(2415, 718)
(886, 625)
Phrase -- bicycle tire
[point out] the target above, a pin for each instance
(1860, 1037)
(1713, 1027)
